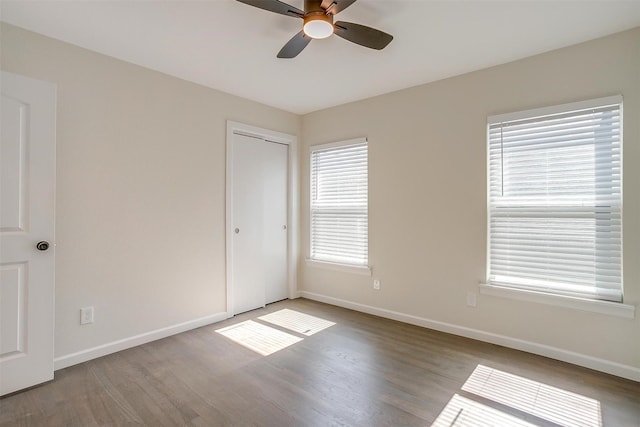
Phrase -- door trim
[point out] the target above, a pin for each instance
(292, 202)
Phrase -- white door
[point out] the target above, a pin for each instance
(259, 197)
(27, 182)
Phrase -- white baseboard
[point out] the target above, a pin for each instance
(590, 362)
(123, 344)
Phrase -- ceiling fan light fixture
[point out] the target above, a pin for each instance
(318, 26)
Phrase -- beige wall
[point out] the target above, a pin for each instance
(140, 212)
(427, 195)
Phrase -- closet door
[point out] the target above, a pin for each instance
(259, 255)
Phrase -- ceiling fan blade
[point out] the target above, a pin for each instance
(336, 6)
(362, 35)
(294, 46)
(275, 6)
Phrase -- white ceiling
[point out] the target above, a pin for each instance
(232, 47)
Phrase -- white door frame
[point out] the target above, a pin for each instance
(292, 202)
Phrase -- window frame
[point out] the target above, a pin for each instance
(344, 266)
(548, 296)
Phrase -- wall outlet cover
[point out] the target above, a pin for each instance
(472, 299)
(86, 315)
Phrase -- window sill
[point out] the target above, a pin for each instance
(602, 307)
(364, 270)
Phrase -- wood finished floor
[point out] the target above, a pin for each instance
(363, 371)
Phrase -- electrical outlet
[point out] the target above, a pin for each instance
(376, 284)
(472, 299)
(86, 315)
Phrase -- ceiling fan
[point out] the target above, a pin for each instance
(318, 24)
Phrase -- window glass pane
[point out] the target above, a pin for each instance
(555, 197)
(339, 212)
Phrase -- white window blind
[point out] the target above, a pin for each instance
(555, 200)
(339, 210)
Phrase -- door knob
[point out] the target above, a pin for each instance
(42, 245)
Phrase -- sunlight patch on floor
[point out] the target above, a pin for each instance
(543, 401)
(463, 412)
(260, 338)
(298, 322)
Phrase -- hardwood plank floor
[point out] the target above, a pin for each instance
(362, 371)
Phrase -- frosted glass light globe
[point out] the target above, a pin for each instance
(318, 29)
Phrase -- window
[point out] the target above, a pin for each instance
(339, 208)
(555, 200)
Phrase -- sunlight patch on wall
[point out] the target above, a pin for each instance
(260, 338)
(298, 322)
(463, 412)
(543, 401)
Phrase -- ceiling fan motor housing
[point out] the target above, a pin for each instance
(313, 11)
(318, 16)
